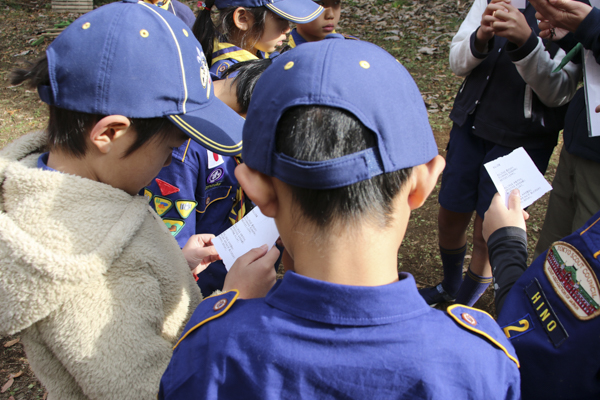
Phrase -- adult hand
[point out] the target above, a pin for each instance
(566, 14)
(498, 216)
(510, 23)
(253, 274)
(200, 252)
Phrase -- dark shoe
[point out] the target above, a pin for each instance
(436, 294)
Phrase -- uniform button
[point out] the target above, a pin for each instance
(488, 78)
(220, 304)
(467, 318)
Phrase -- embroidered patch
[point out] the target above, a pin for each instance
(519, 327)
(214, 159)
(546, 315)
(468, 318)
(148, 194)
(162, 205)
(166, 188)
(185, 207)
(174, 225)
(220, 304)
(215, 176)
(573, 280)
(222, 68)
(204, 72)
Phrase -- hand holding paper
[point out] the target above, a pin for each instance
(517, 171)
(254, 230)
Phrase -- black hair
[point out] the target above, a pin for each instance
(206, 32)
(248, 73)
(67, 130)
(318, 133)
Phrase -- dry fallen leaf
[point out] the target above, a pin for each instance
(16, 374)
(7, 385)
(12, 342)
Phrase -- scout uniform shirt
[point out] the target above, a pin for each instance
(551, 317)
(227, 54)
(198, 193)
(310, 339)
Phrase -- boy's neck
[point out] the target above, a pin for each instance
(357, 255)
(71, 165)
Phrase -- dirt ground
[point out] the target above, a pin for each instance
(417, 32)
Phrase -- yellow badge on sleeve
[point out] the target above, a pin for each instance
(174, 225)
(162, 205)
(148, 194)
(185, 207)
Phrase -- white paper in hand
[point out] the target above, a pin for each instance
(250, 232)
(520, 4)
(517, 171)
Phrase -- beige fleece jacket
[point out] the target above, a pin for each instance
(92, 279)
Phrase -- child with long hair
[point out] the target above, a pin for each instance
(247, 29)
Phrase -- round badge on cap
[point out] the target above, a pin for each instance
(468, 318)
(220, 304)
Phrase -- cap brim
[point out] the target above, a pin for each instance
(217, 128)
(298, 11)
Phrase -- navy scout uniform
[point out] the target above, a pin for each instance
(551, 317)
(296, 40)
(313, 339)
(198, 193)
(227, 54)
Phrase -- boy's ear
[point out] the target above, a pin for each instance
(108, 129)
(423, 180)
(259, 188)
(242, 19)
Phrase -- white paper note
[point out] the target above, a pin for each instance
(520, 4)
(592, 92)
(517, 171)
(250, 232)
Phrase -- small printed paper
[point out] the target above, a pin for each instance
(517, 171)
(592, 91)
(250, 232)
(520, 4)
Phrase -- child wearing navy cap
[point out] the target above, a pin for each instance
(247, 29)
(338, 149)
(320, 27)
(89, 276)
(548, 310)
(197, 193)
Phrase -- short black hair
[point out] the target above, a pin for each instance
(318, 133)
(67, 129)
(247, 74)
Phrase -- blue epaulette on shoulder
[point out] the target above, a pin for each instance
(211, 308)
(482, 323)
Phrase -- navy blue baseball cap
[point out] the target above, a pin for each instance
(356, 76)
(298, 11)
(137, 60)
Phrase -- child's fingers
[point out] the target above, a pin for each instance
(252, 255)
(514, 200)
(525, 215)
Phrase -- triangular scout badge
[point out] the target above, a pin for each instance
(166, 188)
(174, 225)
(162, 205)
(185, 207)
(148, 194)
